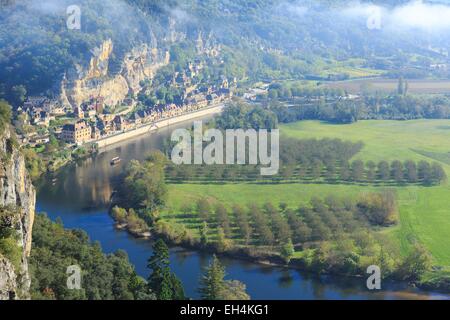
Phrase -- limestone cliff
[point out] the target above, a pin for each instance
(18, 195)
(112, 83)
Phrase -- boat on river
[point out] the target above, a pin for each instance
(115, 161)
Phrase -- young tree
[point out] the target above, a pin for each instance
(316, 169)
(410, 171)
(261, 226)
(425, 174)
(300, 230)
(242, 223)
(357, 170)
(204, 209)
(438, 174)
(288, 171)
(287, 251)
(330, 170)
(204, 234)
(280, 227)
(345, 172)
(223, 244)
(223, 221)
(397, 171)
(383, 170)
(371, 173)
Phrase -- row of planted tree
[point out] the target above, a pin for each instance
(334, 235)
(357, 171)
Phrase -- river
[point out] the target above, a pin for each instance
(79, 195)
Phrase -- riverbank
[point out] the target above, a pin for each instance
(266, 259)
(91, 148)
(150, 127)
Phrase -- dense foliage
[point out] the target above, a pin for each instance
(44, 48)
(9, 237)
(104, 276)
(144, 184)
(5, 115)
(260, 40)
(244, 116)
(331, 234)
(367, 107)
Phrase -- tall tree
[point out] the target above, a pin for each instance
(212, 282)
(162, 281)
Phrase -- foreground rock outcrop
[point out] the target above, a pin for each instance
(17, 203)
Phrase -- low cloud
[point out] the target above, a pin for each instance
(412, 15)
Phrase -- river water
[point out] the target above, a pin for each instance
(79, 195)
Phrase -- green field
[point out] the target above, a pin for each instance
(424, 211)
(384, 140)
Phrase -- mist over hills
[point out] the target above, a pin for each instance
(260, 39)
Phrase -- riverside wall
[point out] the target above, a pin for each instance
(150, 127)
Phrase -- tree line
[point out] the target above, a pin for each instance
(370, 107)
(329, 170)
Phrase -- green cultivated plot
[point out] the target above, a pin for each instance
(384, 140)
(424, 211)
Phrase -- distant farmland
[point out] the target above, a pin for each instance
(390, 85)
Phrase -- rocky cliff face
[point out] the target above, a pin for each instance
(18, 194)
(112, 83)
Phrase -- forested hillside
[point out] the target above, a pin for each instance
(259, 39)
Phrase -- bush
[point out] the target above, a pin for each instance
(379, 208)
(11, 250)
